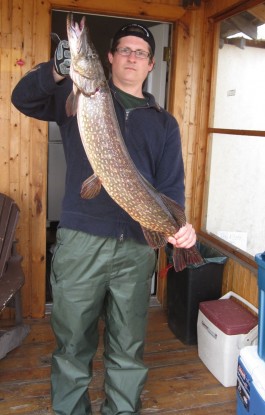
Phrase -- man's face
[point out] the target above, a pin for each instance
(130, 70)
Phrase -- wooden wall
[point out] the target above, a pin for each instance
(23, 157)
(24, 41)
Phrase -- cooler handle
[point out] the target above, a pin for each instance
(211, 332)
(249, 339)
(232, 294)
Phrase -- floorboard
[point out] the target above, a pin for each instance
(178, 382)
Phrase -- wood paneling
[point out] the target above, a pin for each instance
(165, 10)
(25, 141)
(25, 41)
(242, 281)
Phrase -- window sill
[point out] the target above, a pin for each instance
(229, 250)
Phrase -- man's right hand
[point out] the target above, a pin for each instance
(62, 58)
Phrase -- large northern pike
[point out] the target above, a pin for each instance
(158, 215)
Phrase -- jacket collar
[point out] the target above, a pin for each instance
(151, 99)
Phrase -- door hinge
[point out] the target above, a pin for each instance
(166, 54)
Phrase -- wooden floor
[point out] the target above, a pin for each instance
(178, 382)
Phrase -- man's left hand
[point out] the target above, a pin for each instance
(184, 238)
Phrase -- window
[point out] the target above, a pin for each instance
(235, 195)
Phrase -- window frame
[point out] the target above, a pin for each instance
(214, 22)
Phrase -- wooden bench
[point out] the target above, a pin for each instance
(11, 276)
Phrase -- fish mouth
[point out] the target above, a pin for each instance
(75, 30)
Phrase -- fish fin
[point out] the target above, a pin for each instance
(154, 239)
(72, 103)
(175, 209)
(186, 256)
(90, 187)
(178, 259)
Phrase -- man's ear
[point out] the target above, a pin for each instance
(110, 57)
(152, 65)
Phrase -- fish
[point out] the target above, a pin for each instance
(113, 167)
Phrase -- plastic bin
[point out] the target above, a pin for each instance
(250, 382)
(187, 288)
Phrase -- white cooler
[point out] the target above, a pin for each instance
(224, 327)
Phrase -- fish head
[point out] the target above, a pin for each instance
(86, 69)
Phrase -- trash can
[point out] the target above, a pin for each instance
(187, 288)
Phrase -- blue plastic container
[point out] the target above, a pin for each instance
(260, 259)
(250, 382)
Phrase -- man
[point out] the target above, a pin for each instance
(102, 265)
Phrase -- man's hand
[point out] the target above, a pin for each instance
(62, 58)
(184, 238)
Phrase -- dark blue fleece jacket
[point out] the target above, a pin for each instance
(150, 133)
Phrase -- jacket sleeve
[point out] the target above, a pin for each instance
(37, 95)
(170, 169)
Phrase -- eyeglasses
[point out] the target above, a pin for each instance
(139, 54)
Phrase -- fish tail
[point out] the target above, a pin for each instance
(178, 259)
(183, 257)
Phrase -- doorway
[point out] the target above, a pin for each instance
(102, 29)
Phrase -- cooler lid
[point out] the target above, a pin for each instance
(250, 358)
(229, 316)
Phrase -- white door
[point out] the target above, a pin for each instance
(157, 79)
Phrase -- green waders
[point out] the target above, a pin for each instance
(93, 277)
